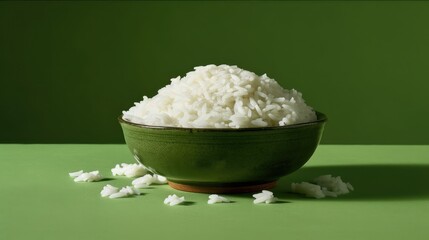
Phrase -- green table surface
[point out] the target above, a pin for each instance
(38, 200)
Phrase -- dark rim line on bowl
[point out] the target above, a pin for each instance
(320, 118)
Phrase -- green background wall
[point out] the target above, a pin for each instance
(68, 69)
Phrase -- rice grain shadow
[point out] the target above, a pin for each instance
(281, 201)
(187, 203)
(106, 179)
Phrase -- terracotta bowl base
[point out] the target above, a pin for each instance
(223, 189)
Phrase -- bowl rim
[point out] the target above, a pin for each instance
(321, 118)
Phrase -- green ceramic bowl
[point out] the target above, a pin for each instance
(223, 160)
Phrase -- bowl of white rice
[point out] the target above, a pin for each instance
(222, 129)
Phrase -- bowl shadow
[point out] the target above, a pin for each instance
(371, 182)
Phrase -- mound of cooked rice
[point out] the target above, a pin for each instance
(222, 97)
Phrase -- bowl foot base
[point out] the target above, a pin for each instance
(223, 189)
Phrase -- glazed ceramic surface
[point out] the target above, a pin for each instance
(223, 157)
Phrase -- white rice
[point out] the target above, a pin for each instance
(173, 200)
(308, 189)
(108, 190)
(324, 186)
(81, 176)
(264, 196)
(76, 174)
(221, 97)
(146, 180)
(214, 198)
(118, 195)
(333, 186)
(129, 170)
(114, 192)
